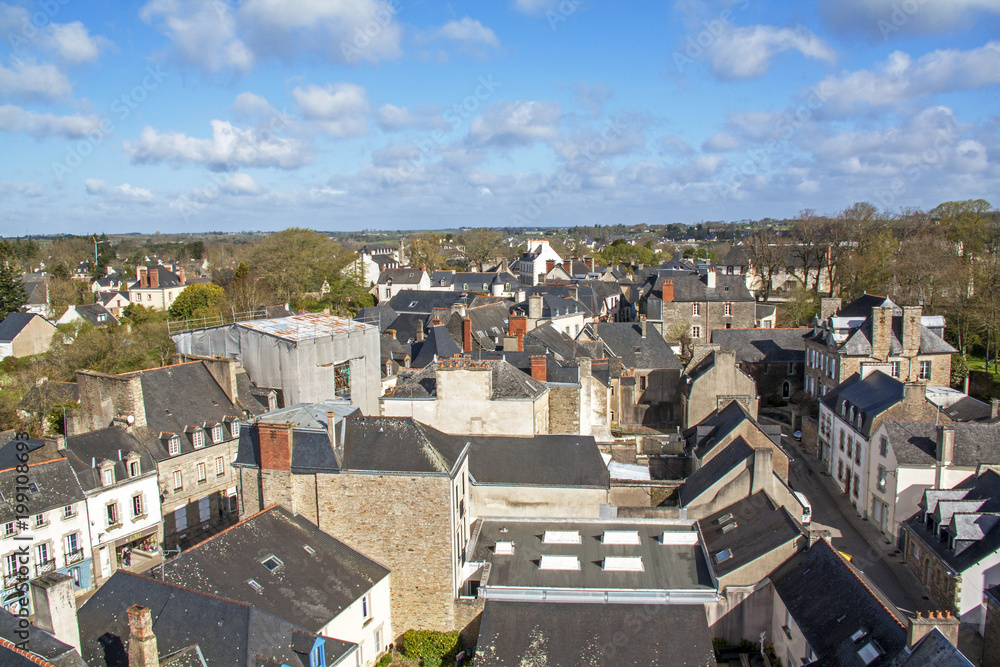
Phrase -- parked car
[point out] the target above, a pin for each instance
(797, 435)
(807, 510)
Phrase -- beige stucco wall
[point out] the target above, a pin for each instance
(34, 338)
(537, 501)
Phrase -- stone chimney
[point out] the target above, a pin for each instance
(828, 307)
(181, 275)
(141, 640)
(154, 277)
(538, 370)
(642, 323)
(911, 330)
(574, 292)
(55, 607)
(917, 628)
(458, 307)
(710, 278)
(467, 335)
(418, 334)
(535, 307)
(668, 290)
(763, 471)
(519, 296)
(945, 444)
(881, 331)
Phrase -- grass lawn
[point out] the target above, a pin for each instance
(977, 363)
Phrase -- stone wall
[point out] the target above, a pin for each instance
(931, 572)
(991, 635)
(214, 487)
(537, 501)
(103, 397)
(564, 409)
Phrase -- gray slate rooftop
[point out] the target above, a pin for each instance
(507, 381)
(915, 443)
(768, 346)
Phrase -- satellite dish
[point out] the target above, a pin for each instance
(130, 419)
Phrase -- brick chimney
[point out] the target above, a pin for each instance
(142, 275)
(517, 326)
(154, 277)
(911, 330)
(549, 265)
(589, 261)
(828, 307)
(668, 290)
(467, 335)
(142, 650)
(568, 265)
(275, 446)
(919, 627)
(181, 275)
(55, 607)
(538, 370)
(881, 331)
(945, 444)
(710, 278)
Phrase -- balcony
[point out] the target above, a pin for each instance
(74, 556)
(45, 566)
(11, 579)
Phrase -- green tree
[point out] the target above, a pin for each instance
(482, 245)
(425, 250)
(12, 296)
(296, 260)
(137, 314)
(196, 301)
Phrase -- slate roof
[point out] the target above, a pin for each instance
(57, 488)
(758, 528)
(37, 450)
(40, 642)
(14, 323)
(934, 650)
(767, 346)
(830, 602)
(424, 302)
(508, 382)
(181, 396)
(405, 276)
(915, 443)
(555, 341)
(226, 632)
(380, 316)
(710, 431)
(438, 344)
(110, 444)
(693, 287)
(93, 311)
(702, 479)
(870, 396)
(489, 325)
(399, 444)
(165, 277)
(625, 340)
(475, 280)
(53, 393)
(542, 460)
(515, 634)
(308, 589)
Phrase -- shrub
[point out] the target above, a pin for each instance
(432, 648)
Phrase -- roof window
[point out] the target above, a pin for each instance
(550, 562)
(621, 537)
(309, 549)
(254, 585)
(722, 556)
(623, 564)
(504, 548)
(561, 537)
(272, 563)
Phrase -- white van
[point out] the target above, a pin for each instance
(807, 510)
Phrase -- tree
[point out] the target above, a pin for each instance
(137, 314)
(296, 260)
(800, 309)
(63, 293)
(247, 293)
(766, 258)
(806, 250)
(12, 295)
(425, 251)
(481, 246)
(198, 300)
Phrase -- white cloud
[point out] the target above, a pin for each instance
(900, 78)
(744, 53)
(721, 142)
(20, 189)
(340, 110)
(508, 124)
(229, 148)
(120, 193)
(671, 144)
(884, 19)
(14, 119)
(241, 184)
(73, 42)
(220, 36)
(468, 31)
(29, 81)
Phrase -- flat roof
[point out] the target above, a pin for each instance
(676, 563)
(305, 327)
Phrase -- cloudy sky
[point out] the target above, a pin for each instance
(191, 115)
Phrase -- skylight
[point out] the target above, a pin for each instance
(272, 563)
(254, 585)
(309, 549)
(504, 548)
(623, 564)
(869, 652)
(724, 518)
(549, 562)
(561, 537)
(728, 527)
(722, 556)
(621, 537)
(679, 537)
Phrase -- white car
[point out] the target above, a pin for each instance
(807, 510)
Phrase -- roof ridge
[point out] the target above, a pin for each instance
(40, 463)
(38, 660)
(179, 587)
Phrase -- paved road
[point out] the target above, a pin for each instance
(827, 515)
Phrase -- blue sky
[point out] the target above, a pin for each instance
(198, 115)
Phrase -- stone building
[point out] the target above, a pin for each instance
(156, 286)
(389, 487)
(710, 381)
(774, 358)
(872, 331)
(187, 417)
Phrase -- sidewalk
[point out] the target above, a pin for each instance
(887, 551)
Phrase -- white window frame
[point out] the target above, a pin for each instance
(217, 433)
(138, 503)
(198, 438)
(220, 466)
(202, 472)
(174, 445)
(178, 480)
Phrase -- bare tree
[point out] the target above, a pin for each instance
(766, 258)
(807, 251)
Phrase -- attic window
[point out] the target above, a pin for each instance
(858, 635)
(869, 652)
(504, 548)
(728, 527)
(623, 564)
(198, 438)
(726, 288)
(272, 563)
(550, 562)
(254, 585)
(174, 446)
(561, 537)
(413, 304)
(621, 537)
(309, 549)
(722, 556)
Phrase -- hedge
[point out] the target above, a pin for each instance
(432, 648)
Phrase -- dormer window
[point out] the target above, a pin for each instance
(134, 469)
(107, 476)
(234, 428)
(217, 433)
(198, 438)
(174, 445)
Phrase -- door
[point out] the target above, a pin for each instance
(105, 558)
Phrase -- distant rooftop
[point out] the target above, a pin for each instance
(305, 327)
